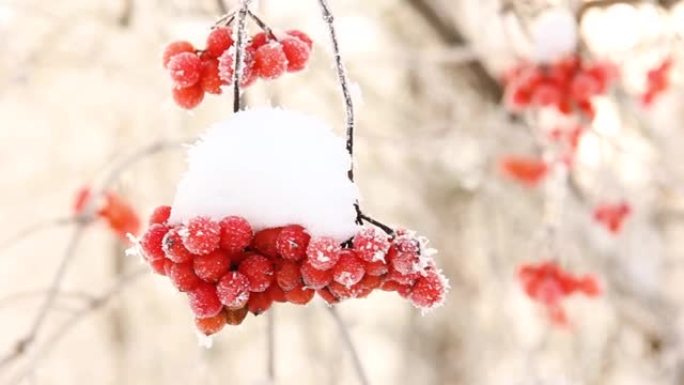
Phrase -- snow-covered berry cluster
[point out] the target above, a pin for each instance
(111, 207)
(228, 270)
(567, 85)
(196, 72)
(548, 284)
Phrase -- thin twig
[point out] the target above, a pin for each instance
(377, 223)
(270, 345)
(262, 25)
(18, 296)
(346, 337)
(94, 305)
(239, 53)
(344, 85)
(35, 228)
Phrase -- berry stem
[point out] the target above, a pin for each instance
(224, 20)
(377, 223)
(346, 337)
(239, 53)
(262, 25)
(344, 85)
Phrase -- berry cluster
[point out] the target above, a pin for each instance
(526, 170)
(548, 284)
(228, 270)
(196, 72)
(112, 208)
(658, 80)
(568, 85)
(612, 215)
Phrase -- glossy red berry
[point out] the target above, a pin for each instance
(300, 295)
(210, 79)
(201, 235)
(173, 247)
(371, 244)
(292, 242)
(189, 97)
(376, 268)
(258, 270)
(270, 60)
(340, 291)
(236, 234)
(259, 40)
(401, 289)
(314, 278)
(174, 49)
(211, 325)
(276, 293)
(233, 290)
(266, 241)
(160, 266)
(327, 296)
(183, 276)
(211, 267)
(204, 302)
(151, 242)
(323, 253)
(259, 302)
(219, 41)
(349, 270)
(288, 276)
(160, 215)
(235, 317)
(428, 291)
(296, 52)
(185, 69)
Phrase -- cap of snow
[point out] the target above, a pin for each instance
(273, 167)
(554, 34)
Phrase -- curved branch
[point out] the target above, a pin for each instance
(349, 344)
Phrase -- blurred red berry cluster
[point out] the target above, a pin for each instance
(658, 80)
(548, 284)
(196, 72)
(612, 215)
(527, 170)
(228, 270)
(112, 208)
(568, 85)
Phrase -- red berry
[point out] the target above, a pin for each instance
(296, 52)
(526, 170)
(227, 67)
(211, 267)
(233, 290)
(266, 241)
(211, 325)
(188, 98)
(151, 242)
(185, 69)
(584, 86)
(366, 286)
(160, 266)
(218, 41)
(371, 244)
(403, 290)
(323, 253)
(259, 39)
(327, 296)
(160, 215)
(301, 36)
(204, 302)
(202, 235)
(404, 255)
(299, 295)
(314, 278)
(236, 234)
(276, 293)
(376, 268)
(429, 291)
(546, 95)
(235, 317)
(210, 79)
(270, 60)
(288, 276)
(404, 279)
(340, 291)
(183, 276)
(174, 49)
(259, 302)
(349, 269)
(259, 272)
(172, 244)
(292, 242)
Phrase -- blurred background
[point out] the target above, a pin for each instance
(82, 90)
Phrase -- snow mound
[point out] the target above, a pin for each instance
(554, 34)
(273, 167)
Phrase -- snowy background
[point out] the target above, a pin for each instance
(81, 87)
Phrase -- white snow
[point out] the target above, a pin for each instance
(273, 167)
(554, 34)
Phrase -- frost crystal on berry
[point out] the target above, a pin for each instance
(371, 244)
(233, 290)
(201, 235)
(323, 253)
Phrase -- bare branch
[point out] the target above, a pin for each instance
(349, 344)
(270, 345)
(35, 228)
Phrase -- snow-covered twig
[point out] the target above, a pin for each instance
(346, 337)
(239, 53)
